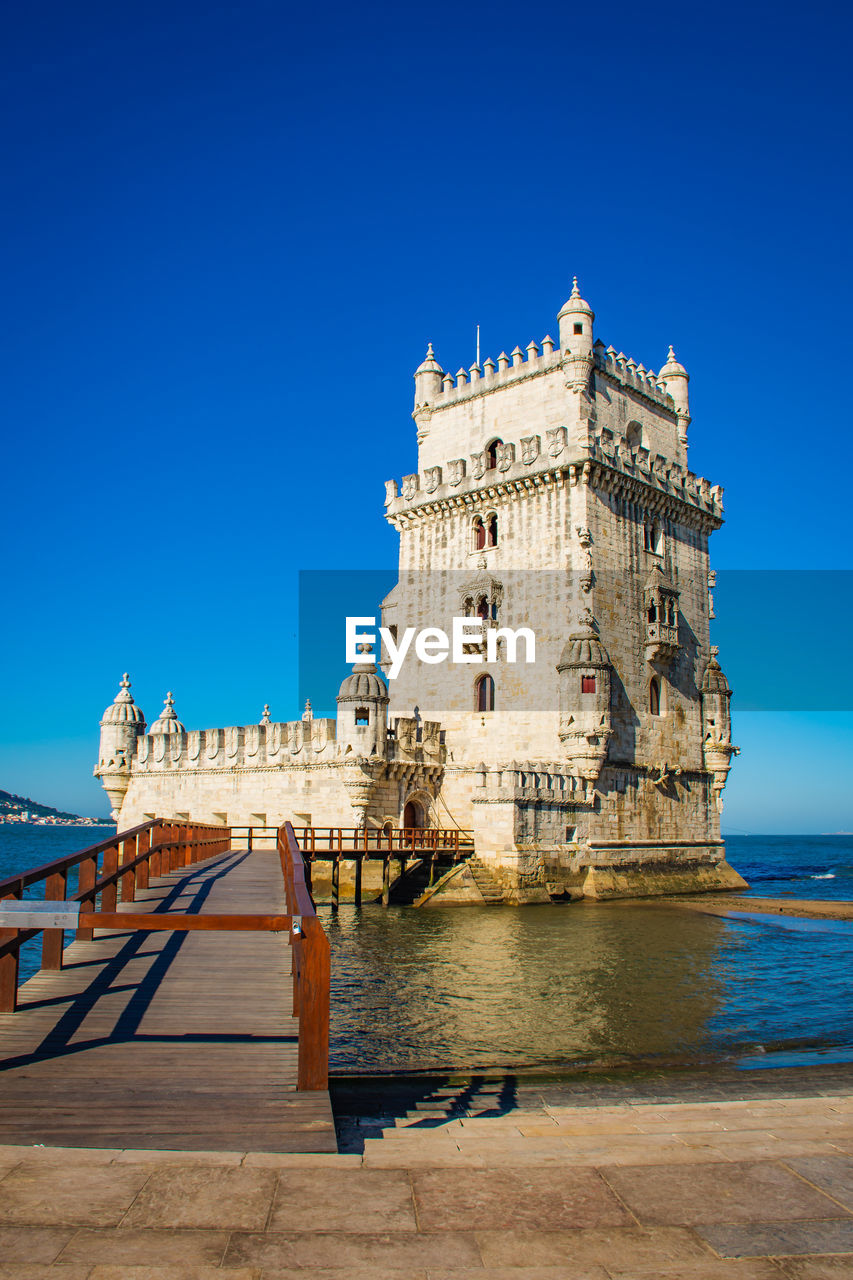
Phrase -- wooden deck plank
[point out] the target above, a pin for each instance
(172, 1041)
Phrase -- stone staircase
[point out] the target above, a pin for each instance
(488, 886)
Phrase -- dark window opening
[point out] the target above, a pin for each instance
(485, 688)
(653, 613)
(587, 684)
(483, 608)
(578, 328)
(492, 531)
(362, 715)
(479, 534)
(654, 697)
(492, 454)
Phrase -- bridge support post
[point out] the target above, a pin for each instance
(386, 881)
(53, 940)
(336, 882)
(358, 865)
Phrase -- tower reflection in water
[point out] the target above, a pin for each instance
(498, 987)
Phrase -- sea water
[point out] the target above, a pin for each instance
(588, 983)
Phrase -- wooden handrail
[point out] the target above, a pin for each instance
(127, 859)
(311, 967)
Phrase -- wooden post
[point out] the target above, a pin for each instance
(155, 862)
(109, 894)
(336, 882)
(313, 1070)
(53, 940)
(386, 880)
(143, 844)
(358, 863)
(128, 880)
(9, 967)
(249, 841)
(87, 876)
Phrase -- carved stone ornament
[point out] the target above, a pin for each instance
(212, 743)
(176, 747)
(557, 439)
(194, 744)
(232, 741)
(274, 739)
(319, 734)
(456, 471)
(478, 465)
(432, 479)
(253, 739)
(410, 486)
(531, 447)
(391, 491)
(159, 747)
(505, 456)
(144, 748)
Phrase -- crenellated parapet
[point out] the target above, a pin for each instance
(253, 746)
(557, 455)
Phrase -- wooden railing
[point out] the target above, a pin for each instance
(323, 841)
(120, 865)
(311, 966)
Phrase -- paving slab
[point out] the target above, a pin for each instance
(204, 1196)
(362, 1200)
(732, 1192)
(41, 1193)
(832, 1174)
(778, 1239)
(132, 1247)
(478, 1199)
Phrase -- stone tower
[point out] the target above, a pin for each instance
(553, 493)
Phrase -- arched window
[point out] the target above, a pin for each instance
(479, 534)
(483, 608)
(670, 613)
(587, 684)
(362, 715)
(654, 696)
(492, 454)
(652, 540)
(469, 607)
(634, 435)
(491, 531)
(653, 613)
(485, 691)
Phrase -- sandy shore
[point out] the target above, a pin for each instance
(725, 904)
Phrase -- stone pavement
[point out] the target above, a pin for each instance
(748, 1177)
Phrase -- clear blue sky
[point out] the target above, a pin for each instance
(226, 235)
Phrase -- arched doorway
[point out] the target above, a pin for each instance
(413, 815)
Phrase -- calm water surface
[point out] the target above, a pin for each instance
(555, 985)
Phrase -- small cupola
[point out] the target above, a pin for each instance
(167, 721)
(123, 710)
(428, 377)
(576, 319)
(362, 723)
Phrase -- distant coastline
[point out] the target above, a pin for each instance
(22, 809)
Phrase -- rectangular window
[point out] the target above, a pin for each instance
(587, 684)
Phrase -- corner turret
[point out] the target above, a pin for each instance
(584, 700)
(428, 377)
(675, 378)
(717, 746)
(362, 724)
(121, 726)
(576, 339)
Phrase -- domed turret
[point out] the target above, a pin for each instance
(168, 721)
(362, 722)
(576, 339)
(428, 377)
(584, 700)
(675, 378)
(717, 746)
(121, 725)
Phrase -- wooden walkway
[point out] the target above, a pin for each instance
(171, 1041)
